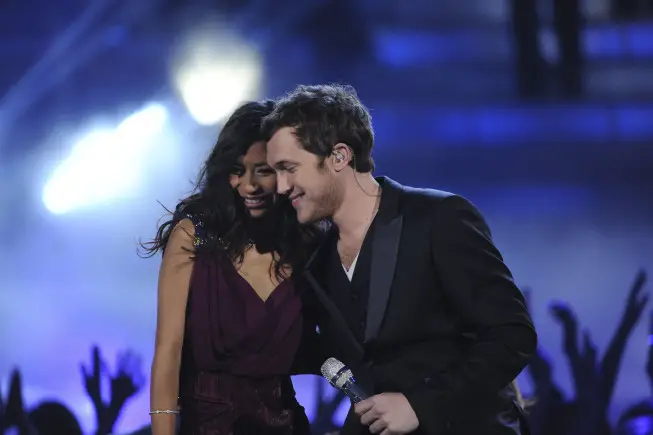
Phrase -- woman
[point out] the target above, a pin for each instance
(229, 320)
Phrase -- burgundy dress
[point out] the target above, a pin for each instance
(237, 354)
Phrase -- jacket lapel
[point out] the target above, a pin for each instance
(385, 246)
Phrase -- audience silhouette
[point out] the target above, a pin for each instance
(549, 411)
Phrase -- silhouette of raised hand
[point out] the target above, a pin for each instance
(127, 381)
(590, 416)
(93, 377)
(12, 412)
(611, 362)
(589, 364)
(565, 315)
(15, 408)
(636, 301)
(635, 304)
(649, 362)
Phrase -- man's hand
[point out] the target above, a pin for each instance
(387, 414)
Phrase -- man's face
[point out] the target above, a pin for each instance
(310, 183)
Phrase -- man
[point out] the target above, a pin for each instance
(411, 293)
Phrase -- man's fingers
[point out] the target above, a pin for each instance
(369, 417)
(362, 407)
(378, 426)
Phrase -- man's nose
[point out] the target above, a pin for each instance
(283, 185)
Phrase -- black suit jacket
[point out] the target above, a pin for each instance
(446, 325)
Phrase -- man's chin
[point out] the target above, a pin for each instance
(303, 218)
(308, 218)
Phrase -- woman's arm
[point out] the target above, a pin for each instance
(174, 282)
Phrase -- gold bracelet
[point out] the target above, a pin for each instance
(164, 411)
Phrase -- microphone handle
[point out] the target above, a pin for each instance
(354, 392)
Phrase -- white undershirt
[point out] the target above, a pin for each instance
(350, 272)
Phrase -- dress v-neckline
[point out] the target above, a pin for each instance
(251, 287)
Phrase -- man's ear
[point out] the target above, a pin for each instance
(341, 156)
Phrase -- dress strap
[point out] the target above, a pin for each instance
(201, 235)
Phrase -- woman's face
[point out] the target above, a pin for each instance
(254, 180)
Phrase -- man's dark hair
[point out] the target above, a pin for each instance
(322, 116)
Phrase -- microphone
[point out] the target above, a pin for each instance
(342, 378)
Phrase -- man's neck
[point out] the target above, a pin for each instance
(359, 205)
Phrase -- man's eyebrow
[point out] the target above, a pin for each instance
(283, 163)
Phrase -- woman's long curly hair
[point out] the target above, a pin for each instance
(222, 212)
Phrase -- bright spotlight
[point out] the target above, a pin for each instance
(106, 164)
(215, 73)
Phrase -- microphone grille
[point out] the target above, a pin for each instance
(336, 373)
(330, 368)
